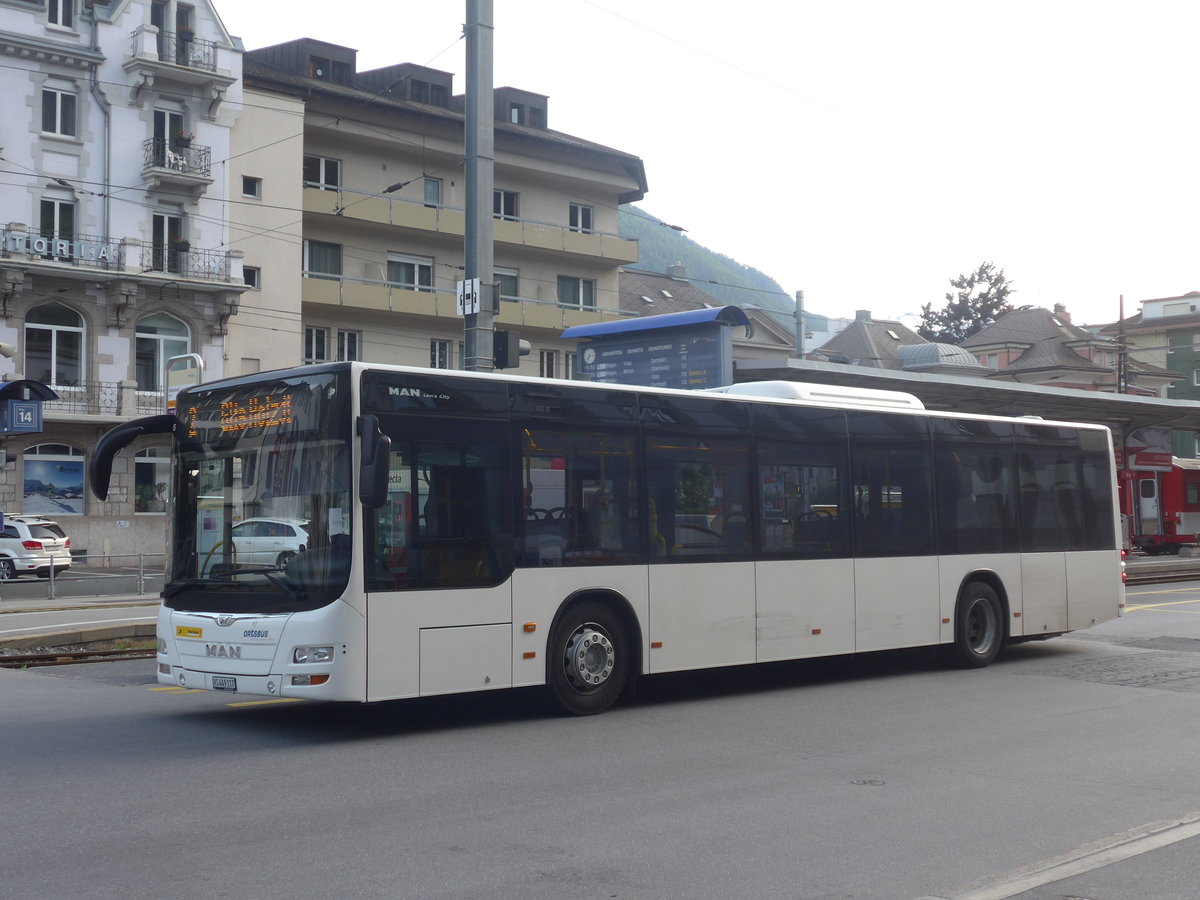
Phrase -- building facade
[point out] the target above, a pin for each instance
(115, 253)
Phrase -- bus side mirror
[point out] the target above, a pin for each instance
(376, 462)
(117, 439)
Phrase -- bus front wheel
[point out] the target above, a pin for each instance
(589, 654)
(978, 627)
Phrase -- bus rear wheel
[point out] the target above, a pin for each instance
(978, 627)
(589, 659)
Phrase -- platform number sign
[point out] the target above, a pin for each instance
(468, 297)
(21, 415)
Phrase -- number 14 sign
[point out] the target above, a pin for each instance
(20, 415)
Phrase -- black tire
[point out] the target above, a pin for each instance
(588, 659)
(284, 558)
(7, 570)
(978, 627)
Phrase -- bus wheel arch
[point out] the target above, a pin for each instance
(980, 621)
(593, 653)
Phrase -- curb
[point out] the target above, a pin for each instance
(78, 636)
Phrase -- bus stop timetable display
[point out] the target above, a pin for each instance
(691, 358)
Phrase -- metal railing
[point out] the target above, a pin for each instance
(74, 249)
(140, 566)
(194, 159)
(186, 262)
(185, 49)
(86, 398)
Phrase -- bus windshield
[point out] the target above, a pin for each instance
(263, 513)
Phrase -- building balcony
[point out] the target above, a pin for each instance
(178, 258)
(451, 222)
(379, 296)
(176, 58)
(167, 164)
(105, 400)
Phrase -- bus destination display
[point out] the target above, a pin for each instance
(244, 413)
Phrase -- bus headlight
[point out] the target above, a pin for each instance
(162, 646)
(302, 655)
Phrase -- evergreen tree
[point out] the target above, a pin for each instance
(980, 298)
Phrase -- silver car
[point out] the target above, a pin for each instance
(268, 542)
(32, 544)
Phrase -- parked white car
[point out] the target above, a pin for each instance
(29, 543)
(268, 542)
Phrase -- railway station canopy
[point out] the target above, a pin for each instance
(1123, 413)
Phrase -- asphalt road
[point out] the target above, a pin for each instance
(1067, 769)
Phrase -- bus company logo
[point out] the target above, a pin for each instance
(223, 651)
(416, 392)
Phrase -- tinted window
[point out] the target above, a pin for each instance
(802, 483)
(1065, 489)
(976, 477)
(891, 483)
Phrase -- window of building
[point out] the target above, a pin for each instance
(570, 365)
(516, 113)
(579, 293)
(316, 345)
(53, 477)
(413, 273)
(57, 221)
(508, 283)
(322, 260)
(348, 344)
(439, 354)
(548, 364)
(59, 112)
(151, 480)
(322, 172)
(433, 192)
(1196, 377)
(252, 275)
(504, 205)
(251, 186)
(54, 345)
(328, 69)
(418, 91)
(170, 248)
(159, 337)
(61, 13)
(581, 218)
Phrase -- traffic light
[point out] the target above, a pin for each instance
(508, 348)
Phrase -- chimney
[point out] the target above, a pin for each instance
(679, 270)
(862, 315)
(1060, 312)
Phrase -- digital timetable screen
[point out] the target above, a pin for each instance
(261, 411)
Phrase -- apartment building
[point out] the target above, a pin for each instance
(115, 252)
(378, 166)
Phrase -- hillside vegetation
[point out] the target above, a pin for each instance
(661, 246)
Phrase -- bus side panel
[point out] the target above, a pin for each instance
(805, 608)
(539, 593)
(1044, 589)
(1096, 592)
(395, 620)
(702, 615)
(898, 602)
(954, 571)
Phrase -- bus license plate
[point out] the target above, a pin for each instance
(224, 683)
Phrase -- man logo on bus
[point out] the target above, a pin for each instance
(223, 651)
(415, 392)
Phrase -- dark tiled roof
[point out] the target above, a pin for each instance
(636, 284)
(869, 343)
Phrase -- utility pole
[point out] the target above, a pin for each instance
(799, 324)
(480, 161)
(1122, 350)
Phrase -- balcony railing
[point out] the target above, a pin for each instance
(195, 159)
(74, 249)
(102, 398)
(184, 49)
(177, 259)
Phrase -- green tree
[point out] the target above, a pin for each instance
(979, 299)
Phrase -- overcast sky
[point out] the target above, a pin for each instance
(863, 152)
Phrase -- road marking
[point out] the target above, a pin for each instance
(1087, 858)
(35, 629)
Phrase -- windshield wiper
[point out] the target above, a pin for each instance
(227, 578)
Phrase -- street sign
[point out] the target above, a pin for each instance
(468, 297)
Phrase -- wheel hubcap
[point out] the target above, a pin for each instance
(981, 626)
(589, 658)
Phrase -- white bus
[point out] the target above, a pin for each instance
(468, 532)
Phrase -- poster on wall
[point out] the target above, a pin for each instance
(53, 487)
